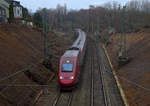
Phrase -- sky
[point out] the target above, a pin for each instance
(33, 5)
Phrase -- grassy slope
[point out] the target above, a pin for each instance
(21, 46)
(137, 70)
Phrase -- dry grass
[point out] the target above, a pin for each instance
(137, 70)
(21, 46)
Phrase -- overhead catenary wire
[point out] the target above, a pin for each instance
(16, 73)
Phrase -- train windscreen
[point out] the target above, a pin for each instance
(67, 68)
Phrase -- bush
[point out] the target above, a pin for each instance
(146, 26)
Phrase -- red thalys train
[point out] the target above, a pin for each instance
(70, 62)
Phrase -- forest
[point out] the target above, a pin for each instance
(134, 15)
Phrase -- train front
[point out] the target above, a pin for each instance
(67, 72)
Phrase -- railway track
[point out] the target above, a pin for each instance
(107, 89)
(101, 77)
(92, 81)
(111, 93)
(63, 99)
(97, 86)
(97, 76)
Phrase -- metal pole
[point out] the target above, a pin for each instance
(123, 36)
(125, 49)
(44, 34)
(124, 31)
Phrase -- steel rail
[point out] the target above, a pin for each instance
(92, 81)
(107, 97)
(56, 101)
(101, 77)
(70, 99)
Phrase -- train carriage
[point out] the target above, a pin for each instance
(70, 62)
(68, 69)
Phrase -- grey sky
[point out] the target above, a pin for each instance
(71, 4)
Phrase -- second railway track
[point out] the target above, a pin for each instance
(97, 80)
(104, 91)
(100, 71)
(63, 99)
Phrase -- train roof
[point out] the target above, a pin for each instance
(79, 43)
(82, 41)
(71, 53)
(73, 48)
(77, 40)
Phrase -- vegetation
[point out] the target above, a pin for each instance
(26, 15)
(96, 19)
(11, 14)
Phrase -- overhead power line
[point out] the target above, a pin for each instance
(16, 73)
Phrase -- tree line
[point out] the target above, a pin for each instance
(134, 14)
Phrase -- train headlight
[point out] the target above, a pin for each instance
(68, 61)
(61, 77)
(71, 77)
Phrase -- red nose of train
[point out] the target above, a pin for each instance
(66, 81)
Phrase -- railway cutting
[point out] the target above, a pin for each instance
(96, 86)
